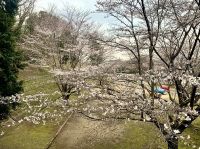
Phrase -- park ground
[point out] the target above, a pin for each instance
(81, 132)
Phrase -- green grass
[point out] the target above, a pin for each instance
(26, 136)
(194, 132)
(141, 135)
(37, 80)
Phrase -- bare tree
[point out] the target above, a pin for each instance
(96, 49)
(26, 8)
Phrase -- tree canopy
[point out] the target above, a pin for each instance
(10, 58)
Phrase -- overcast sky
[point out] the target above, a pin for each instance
(87, 5)
(84, 4)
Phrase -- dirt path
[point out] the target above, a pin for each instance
(82, 133)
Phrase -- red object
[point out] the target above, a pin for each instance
(165, 87)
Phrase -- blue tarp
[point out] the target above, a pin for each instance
(159, 90)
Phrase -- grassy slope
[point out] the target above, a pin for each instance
(194, 132)
(37, 80)
(137, 135)
(29, 136)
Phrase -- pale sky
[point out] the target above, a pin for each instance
(83, 4)
(87, 5)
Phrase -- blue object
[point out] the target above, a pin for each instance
(159, 90)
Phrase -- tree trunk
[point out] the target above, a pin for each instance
(172, 142)
(183, 100)
(151, 72)
(66, 99)
(140, 73)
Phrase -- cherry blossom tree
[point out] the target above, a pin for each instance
(169, 30)
(70, 49)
